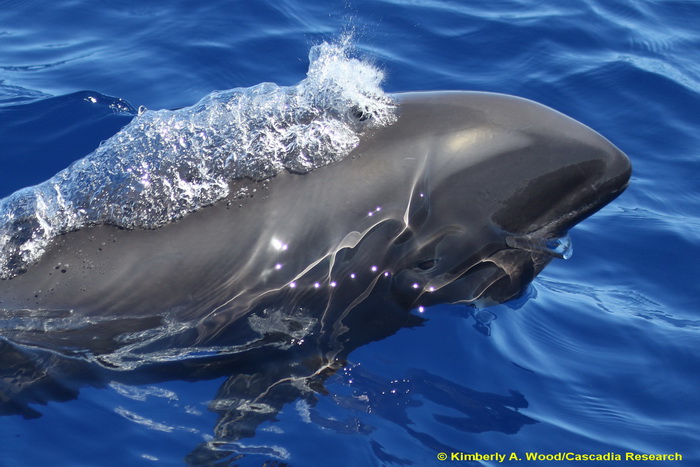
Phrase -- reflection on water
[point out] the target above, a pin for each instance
(261, 384)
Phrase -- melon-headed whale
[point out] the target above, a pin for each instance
(464, 199)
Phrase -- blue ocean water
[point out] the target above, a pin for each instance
(600, 356)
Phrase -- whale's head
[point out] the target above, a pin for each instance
(503, 181)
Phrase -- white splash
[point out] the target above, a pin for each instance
(165, 164)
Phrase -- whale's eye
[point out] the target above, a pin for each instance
(427, 265)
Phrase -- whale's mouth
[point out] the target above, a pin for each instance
(557, 247)
(553, 238)
(500, 276)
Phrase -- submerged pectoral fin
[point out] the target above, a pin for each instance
(511, 271)
(501, 276)
(468, 287)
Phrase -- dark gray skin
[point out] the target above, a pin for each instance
(451, 204)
